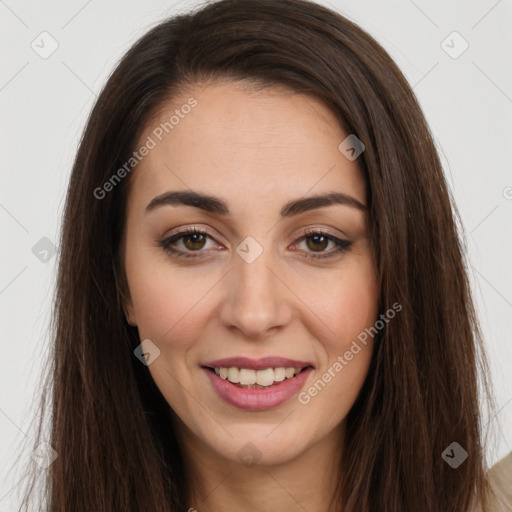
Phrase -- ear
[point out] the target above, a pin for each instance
(123, 288)
(129, 312)
(125, 295)
(127, 303)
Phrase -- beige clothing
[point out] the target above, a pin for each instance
(500, 477)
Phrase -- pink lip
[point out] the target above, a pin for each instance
(257, 364)
(258, 399)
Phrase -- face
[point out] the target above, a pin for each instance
(264, 272)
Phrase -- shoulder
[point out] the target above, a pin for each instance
(500, 479)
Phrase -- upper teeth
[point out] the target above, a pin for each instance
(246, 376)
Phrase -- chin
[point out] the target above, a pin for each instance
(260, 450)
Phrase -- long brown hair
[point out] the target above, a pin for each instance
(110, 425)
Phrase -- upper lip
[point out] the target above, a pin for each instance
(257, 364)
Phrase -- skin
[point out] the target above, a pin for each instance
(256, 150)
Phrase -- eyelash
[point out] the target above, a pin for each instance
(341, 245)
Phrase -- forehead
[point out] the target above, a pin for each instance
(245, 145)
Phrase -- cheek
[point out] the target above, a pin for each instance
(165, 300)
(348, 304)
(349, 310)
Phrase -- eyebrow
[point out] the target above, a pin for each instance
(216, 205)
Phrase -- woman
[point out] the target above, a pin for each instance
(262, 301)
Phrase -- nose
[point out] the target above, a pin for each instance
(256, 301)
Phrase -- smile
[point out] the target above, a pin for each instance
(257, 389)
(256, 379)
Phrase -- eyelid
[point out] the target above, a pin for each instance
(342, 243)
(184, 230)
(326, 230)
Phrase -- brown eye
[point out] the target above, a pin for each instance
(317, 242)
(196, 241)
(193, 241)
(186, 243)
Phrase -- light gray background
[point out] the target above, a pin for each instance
(44, 104)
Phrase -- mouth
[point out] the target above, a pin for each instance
(257, 389)
(249, 378)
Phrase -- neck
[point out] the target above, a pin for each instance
(307, 482)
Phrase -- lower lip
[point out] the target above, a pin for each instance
(258, 399)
